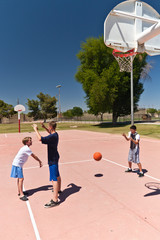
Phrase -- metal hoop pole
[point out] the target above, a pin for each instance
(132, 102)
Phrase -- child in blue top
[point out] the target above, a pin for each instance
(53, 158)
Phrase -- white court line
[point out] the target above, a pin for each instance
(63, 163)
(5, 135)
(33, 220)
(107, 160)
(90, 160)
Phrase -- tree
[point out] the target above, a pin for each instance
(107, 89)
(152, 111)
(68, 113)
(74, 112)
(77, 112)
(33, 106)
(6, 110)
(44, 108)
(47, 105)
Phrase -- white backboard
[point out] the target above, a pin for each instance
(19, 108)
(133, 25)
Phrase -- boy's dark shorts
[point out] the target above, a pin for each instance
(54, 172)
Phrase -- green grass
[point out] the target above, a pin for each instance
(143, 129)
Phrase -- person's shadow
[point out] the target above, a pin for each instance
(71, 189)
(30, 192)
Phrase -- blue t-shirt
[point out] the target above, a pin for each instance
(52, 142)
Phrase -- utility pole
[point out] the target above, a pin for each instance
(59, 102)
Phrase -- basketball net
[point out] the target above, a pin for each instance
(125, 60)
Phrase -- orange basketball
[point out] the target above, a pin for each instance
(97, 156)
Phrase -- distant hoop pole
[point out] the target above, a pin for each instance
(19, 121)
(19, 108)
(130, 55)
(132, 101)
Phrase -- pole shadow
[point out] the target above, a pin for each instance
(155, 187)
(71, 189)
(30, 192)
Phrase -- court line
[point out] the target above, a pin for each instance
(62, 163)
(120, 165)
(32, 220)
(5, 135)
(90, 160)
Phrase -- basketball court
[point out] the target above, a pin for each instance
(99, 200)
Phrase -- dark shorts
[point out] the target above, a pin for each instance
(54, 172)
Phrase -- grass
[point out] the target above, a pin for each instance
(148, 130)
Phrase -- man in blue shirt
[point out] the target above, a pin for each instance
(53, 157)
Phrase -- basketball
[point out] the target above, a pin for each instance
(97, 156)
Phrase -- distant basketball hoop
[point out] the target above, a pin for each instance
(19, 108)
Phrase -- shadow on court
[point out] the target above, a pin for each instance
(98, 175)
(136, 170)
(110, 125)
(155, 187)
(30, 192)
(71, 189)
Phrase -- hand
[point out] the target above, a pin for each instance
(35, 127)
(124, 135)
(40, 164)
(42, 124)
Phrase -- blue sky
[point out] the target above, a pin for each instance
(38, 46)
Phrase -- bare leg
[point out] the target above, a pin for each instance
(140, 166)
(130, 164)
(20, 186)
(59, 183)
(55, 193)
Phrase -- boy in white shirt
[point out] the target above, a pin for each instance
(18, 162)
(133, 156)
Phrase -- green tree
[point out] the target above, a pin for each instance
(47, 105)
(68, 113)
(34, 108)
(77, 112)
(44, 108)
(152, 111)
(6, 110)
(107, 89)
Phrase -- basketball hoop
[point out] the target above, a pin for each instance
(19, 108)
(125, 60)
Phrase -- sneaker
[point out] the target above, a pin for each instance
(24, 198)
(141, 174)
(51, 204)
(129, 170)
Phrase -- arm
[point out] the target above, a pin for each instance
(36, 131)
(37, 159)
(43, 126)
(134, 141)
(124, 135)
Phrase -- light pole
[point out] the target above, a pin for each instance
(59, 103)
